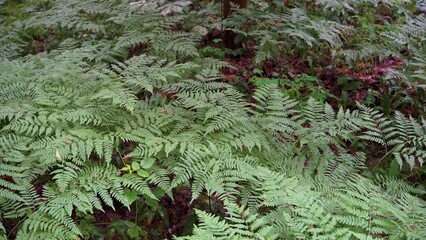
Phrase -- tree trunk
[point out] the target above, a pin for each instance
(229, 36)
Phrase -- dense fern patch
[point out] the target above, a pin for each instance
(313, 130)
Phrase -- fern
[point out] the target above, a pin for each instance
(116, 71)
(355, 208)
(240, 224)
(377, 127)
(409, 141)
(271, 29)
(404, 135)
(81, 188)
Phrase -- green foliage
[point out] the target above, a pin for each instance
(343, 34)
(295, 209)
(126, 230)
(213, 52)
(272, 27)
(80, 79)
(300, 87)
(240, 224)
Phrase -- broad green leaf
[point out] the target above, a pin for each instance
(142, 173)
(147, 163)
(135, 165)
(131, 195)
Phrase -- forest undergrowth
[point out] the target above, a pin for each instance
(132, 120)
